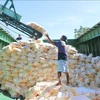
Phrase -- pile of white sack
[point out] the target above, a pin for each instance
(84, 70)
(24, 63)
(49, 91)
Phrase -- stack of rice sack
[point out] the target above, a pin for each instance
(24, 63)
(84, 70)
(49, 91)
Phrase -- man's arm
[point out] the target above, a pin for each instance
(51, 41)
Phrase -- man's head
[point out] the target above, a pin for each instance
(19, 35)
(63, 38)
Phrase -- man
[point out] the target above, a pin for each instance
(62, 58)
(19, 37)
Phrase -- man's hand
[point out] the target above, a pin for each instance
(46, 34)
(48, 38)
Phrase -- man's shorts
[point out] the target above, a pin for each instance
(63, 66)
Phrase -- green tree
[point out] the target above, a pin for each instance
(80, 31)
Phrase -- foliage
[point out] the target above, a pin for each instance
(80, 31)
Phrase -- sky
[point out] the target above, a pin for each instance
(58, 17)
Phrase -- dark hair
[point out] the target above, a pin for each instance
(64, 38)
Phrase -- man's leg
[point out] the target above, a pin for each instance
(67, 78)
(59, 78)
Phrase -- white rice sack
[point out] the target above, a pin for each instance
(10, 63)
(6, 57)
(49, 46)
(51, 62)
(4, 63)
(39, 41)
(77, 66)
(95, 59)
(19, 65)
(45, 65)
(54, 57)
(3, 87)
(77, 70)
(23, 42)
(31, 55)
(88, 59)
(90, 55)
(13, 93)
(76, 56)
(8, 78)
(7, 72)
(7, 49)
(0, 80)
(88, 66)
(53, 50)
(70, 56)
(73, 62)
(42, 60)
(16, 51)
(50, 91)
(83, 57)
(42, 98)
(95, 86)
(63, 96)
(32, 92)
(1, 58)
(87, 81)
(2, 55)
(79, 98)
(1, 73)
(15, 45)
(97, 80)
(81, 84)
(37, 27)
(90, 74)
(93, 70)
(14, 58)
(19, 90)
(98, 64)
(68, 46)
(32, 45)
(71, 50)
(77, 91)
(10, 85)
(52, 98)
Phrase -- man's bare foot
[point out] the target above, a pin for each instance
(59, 83)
